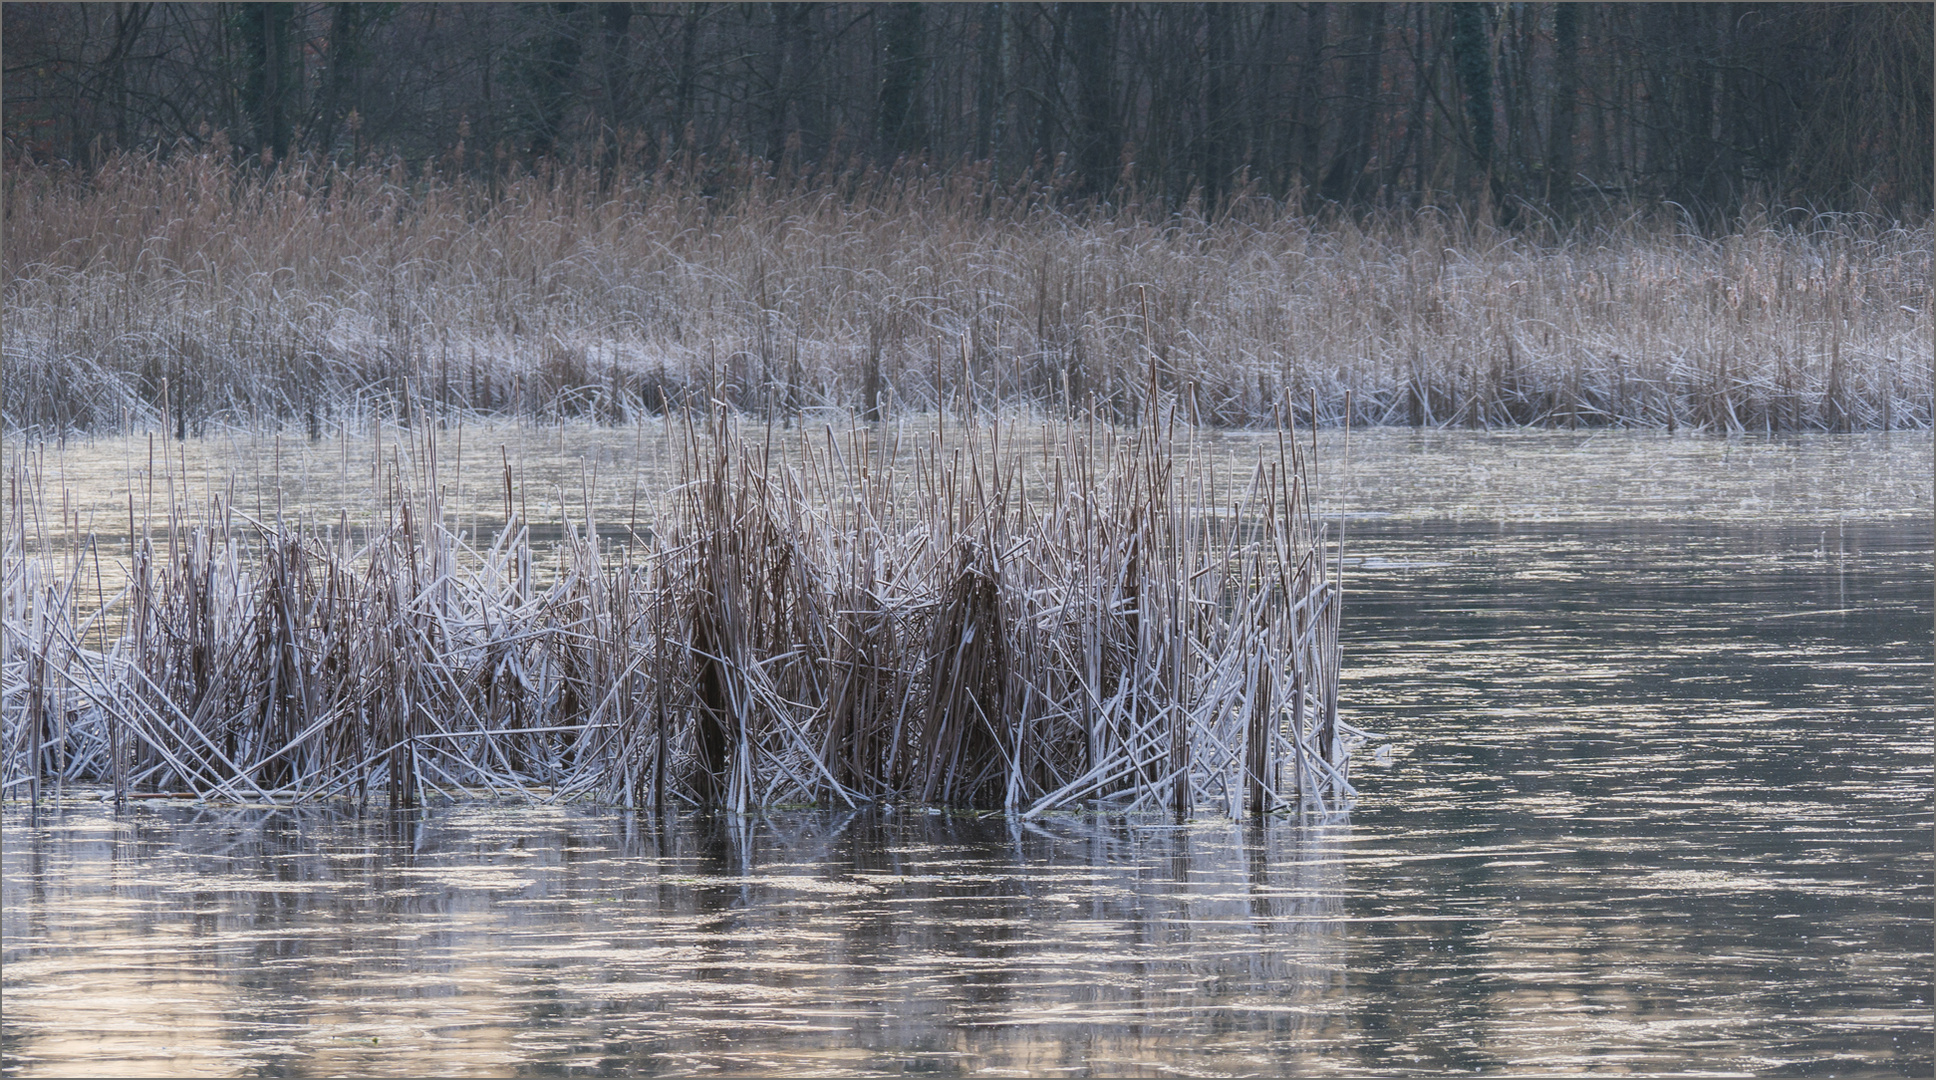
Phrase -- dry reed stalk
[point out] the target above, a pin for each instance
(169, 295)
(816, 616)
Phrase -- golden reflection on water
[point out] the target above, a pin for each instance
(88, 498)
(482, 940)
(558, 472)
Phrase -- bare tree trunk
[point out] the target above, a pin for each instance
(899, 109)
(1560, 128)
(555, 71)
(1218, 136)
(1093, 48)
(345, 21)
(1048, 92)
(1425, 73)
(687, 89)
(789, 23)
(618, 84)
(1472, 55)
(990, 87)
(1342, 179)
(1699, 180)
(269, 85)
(129, 21)
(1310, 114)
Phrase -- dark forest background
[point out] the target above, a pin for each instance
(1507, 111)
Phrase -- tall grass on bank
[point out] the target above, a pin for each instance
(187, 291)
(1085, 614)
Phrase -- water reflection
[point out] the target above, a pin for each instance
(620, 476)
(1691, 767)
(1658, 802)
(514, 938)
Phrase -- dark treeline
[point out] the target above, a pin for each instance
(1496, 108)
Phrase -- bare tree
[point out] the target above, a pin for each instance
(1707, 107)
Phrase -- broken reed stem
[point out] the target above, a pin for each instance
(827, 618)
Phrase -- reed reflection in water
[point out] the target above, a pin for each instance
(519, 939)
(1659, 715)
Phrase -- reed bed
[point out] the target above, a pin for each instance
(188, 291)
(957, 614)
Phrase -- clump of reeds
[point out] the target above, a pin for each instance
(172, 293)
(1087, 615)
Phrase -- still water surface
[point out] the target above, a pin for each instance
(1658, 800)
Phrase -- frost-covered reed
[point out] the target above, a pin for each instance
(188, 291)
(972, 615)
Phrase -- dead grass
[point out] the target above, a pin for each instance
(973, 615)
(189, 292)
